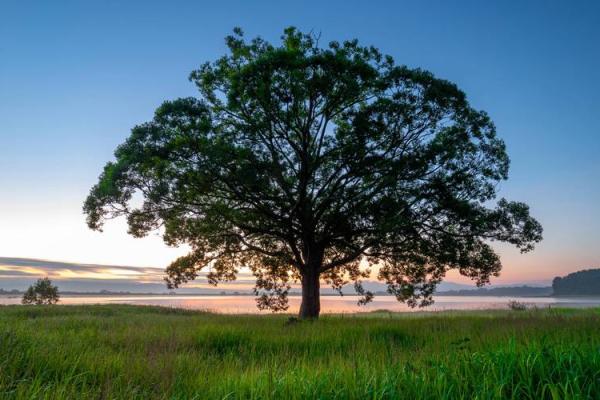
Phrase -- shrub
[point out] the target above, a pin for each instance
(516, 305)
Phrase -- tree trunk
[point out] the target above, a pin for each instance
(311, 300)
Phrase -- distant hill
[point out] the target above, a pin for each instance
(528, 291)
(380, 287)
(581, 283)
(460, 289)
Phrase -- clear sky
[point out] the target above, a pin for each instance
(76, 76)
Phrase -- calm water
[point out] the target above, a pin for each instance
(329, 304)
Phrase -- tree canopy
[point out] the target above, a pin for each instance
(309, 163)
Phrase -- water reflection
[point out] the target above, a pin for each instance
(329, 304)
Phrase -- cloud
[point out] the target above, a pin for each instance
(18, 273)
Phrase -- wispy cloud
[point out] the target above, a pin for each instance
(17, 273)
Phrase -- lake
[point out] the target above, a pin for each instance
(329, 304)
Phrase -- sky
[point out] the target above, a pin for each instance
(75, 77)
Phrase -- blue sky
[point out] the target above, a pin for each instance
(76, 76)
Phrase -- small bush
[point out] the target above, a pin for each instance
(516, 305)
(42, 292)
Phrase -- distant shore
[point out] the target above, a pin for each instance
(526, 291)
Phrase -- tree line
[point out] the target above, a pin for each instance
(580, 283)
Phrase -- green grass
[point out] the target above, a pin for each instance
(129, 352)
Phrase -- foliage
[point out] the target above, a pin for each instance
(308, 163)
(42, 292)
(126, 352)
(517, 305)
(580, 283)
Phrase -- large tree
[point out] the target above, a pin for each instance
(311, 164)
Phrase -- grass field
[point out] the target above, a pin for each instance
(132, 352)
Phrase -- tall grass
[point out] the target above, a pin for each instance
(129, 352)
